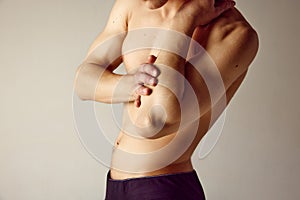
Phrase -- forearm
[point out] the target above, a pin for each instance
(172, 46)
(96, 83)
(171, 76)
(162, 107)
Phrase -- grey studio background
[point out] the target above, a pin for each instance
(41, 157)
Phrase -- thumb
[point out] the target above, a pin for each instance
(151, 59)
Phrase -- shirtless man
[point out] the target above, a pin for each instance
(155, 95)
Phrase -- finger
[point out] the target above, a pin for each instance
(151, 59)
(138, 102)
(143, 78)
(143, 91)
(149, 69)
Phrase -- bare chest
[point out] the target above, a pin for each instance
(144, 28)
(144, 37)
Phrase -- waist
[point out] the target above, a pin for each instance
(182, 166)
(136, 157)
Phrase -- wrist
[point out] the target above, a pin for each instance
(127, 87)
(184, 22)
(184, 25)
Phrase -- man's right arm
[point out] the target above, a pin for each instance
(102, 58)
(95, 79)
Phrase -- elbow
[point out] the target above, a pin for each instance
(79, 85)
(81, 95)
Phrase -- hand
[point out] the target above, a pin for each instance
(145, 76)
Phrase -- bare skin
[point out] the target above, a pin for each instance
(228, 39)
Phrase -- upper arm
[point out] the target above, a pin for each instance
(106, 49)
(231, 43)
(234, 54)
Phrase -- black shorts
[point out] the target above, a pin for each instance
(179, 186)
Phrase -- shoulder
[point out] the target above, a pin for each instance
(234, 32)
(232, 23)
(122, 10)
(119, 16)
(127, 6)
(230, 28)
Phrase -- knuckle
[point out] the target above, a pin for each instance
(140, 77)
(148, 79)
(145, 67)
(138, 91)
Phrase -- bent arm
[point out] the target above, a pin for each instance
(95, 79)
(232, 45)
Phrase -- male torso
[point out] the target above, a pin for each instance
(176, 159)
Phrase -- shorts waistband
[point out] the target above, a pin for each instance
(193, 172)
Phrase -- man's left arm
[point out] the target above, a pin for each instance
(232, 44)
